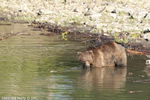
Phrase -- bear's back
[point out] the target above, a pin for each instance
(105, 47)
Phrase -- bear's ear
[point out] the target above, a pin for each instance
(91, 52)
(78, 53)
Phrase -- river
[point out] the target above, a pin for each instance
(35, 67)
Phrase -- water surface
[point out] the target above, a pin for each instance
(47, 68)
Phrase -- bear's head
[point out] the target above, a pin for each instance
(86, 58)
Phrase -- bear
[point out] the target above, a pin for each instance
(105, 54)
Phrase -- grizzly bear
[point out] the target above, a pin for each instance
(106, 54)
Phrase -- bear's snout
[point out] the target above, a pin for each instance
(86, 64)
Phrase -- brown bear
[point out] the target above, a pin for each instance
(106, 54)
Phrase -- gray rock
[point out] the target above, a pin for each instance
(146, 36)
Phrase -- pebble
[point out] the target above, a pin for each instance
(115, 15)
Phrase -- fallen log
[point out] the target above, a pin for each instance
(137, 52)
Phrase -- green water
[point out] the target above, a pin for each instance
(46, 68)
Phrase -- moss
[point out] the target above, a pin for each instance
(122, 13)
(126, 40)
(134, 35)
(24, 19)
(115, 34)
(119, 39)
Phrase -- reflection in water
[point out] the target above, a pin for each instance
(147, 70)
(27, 63)
(106, 77)
(13, 28)
(46, 67)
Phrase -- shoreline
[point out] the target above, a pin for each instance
(127, 21)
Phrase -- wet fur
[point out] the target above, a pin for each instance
(107, 54)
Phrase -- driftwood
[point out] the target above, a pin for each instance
(131, 48)
(137, 52)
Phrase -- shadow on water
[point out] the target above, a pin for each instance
(46, 67)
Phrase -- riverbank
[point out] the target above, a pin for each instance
(127, 21)
(99, 15)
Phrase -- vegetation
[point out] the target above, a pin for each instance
(113, 16)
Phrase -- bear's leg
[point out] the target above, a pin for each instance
(121, 60)
(124, 59)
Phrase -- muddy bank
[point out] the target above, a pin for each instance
(137, 46)
(124, 21)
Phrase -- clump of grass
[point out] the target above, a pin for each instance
(125, 40)
(120, 39)
(24, 19)
(134, 35)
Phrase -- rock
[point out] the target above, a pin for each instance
(146, 31)
(147, 15)
(128, 15)
(147, 62)
(97, 15)
(146, 36)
